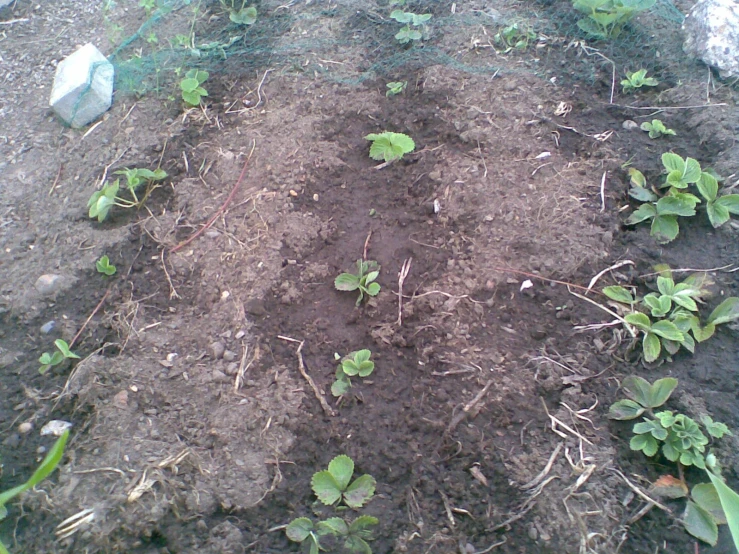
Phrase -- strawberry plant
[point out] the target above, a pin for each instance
(49, 360)
(637, 80)
(104, 266)
(414, 25)
(192, 89)
(363, 280)
(334, 485)
(351, 365)
(681, 440)
(104, 199)
(390, 146)
(656, 129)
(515, 36)
(395, 87)
(606, 18)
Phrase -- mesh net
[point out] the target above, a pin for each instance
(349, 41)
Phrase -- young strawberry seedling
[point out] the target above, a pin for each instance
(390, 146)
(62, 353)
(351, 365)
(363, 280)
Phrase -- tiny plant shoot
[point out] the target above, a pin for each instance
(395, 87)
(62, 353)
(637, 80)
(49, 464)
(656, 129)
(192, 89)
(389, 146)
(351, 365)
(413, 22)
(363, 280)
(681, 440)
(104, 266)
(104, 199)
(515, 36)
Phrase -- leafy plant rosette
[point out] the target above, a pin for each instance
(673, 321)
(515, 36)
(606, 18)
(390, 146)
(363, 280)
(192, 89)
(332, 487)
(351, 365)
(638, 79)
(656, 129)
(103, 200)
(663, 210)
(104, 266)
(681, 440)
(414, 24)
(49, 360)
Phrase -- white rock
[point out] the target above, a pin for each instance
(712, 34)
(48, 284)
(83, 86)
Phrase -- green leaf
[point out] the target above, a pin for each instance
(705, 495)
(420, 19)
(347, 282)
(692, 171)
(366, 368)
(651, 427)
(730, 504)
(341, 468)
(665, 228)
(707, 186)
(717, 214)
(245, 16)
(665, 285)
(361, 356)
(644, 212)
(334, 526)
(715, 428)
(340, 387)
(700, 524)
(730, 202)
(668, 486)
(189, 85)
(651, 347)
(703, 333)
(350, 367)
(390, 146)
(644, 443)
(660, 391)
(361, 526)
(725, 312)
(624, 410)
(675, 205)
(299, 529)
(325, 487)
(360, 491)
(619, 294)
(638, 389)
(357, 545)
(373, 289)
(636, 178)
(191, 98)
(104, 266)
(659, 305)
(672, 162)
(642, 194)
(590, 27)
(401, 17)
(64, 349)
(371, 276)
(668, 330)
(639, 320)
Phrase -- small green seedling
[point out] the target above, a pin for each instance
(637, 80)
(395, 87)
(104, 266)
(334, 485)
(104, 199)
(191, 85)
(62, 353)
(413, 22)
(516, 36)
(148, 5)
(351, 365)
(607, 18)
(49, 464)
(681, 440)
(718, 208)
(363, 280)
(656, 129)
(390, 146)
(673, 320)
(241, 16)
(354, 535)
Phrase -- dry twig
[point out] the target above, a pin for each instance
(401, 279)
(301, 367)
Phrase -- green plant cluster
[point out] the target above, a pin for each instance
(334, 487)
(363, 280)
(396, 87)
(354, 364)
(415, 25)
(51, 359)
(607, 18)
(104, 199)
(681, 440)
(390, 146)
(192, 87)
(242, 15)
(636, 80)
(663, 209)
(669, 318)
(515, 36)
(656, 129)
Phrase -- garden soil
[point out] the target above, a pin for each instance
(201, 406)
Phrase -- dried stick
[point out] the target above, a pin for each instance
(220, 210)
(640, 492)
(172, 291)
(71, 344)
(401, 279)
(456, 420)
(366, 245)
(606, 270)
(603, 192)
(301, 367)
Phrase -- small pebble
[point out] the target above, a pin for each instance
(12, 440)
(232, 368)
(48, 284)
(48, 327)
(41, 450)
(630, 125)
(218, 349)
(229, 356)
(25, 427)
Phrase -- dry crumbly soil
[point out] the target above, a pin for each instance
(193, 428)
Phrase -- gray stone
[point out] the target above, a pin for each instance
(630, 125)
(712, 34)
(48, 327)
(229, 356)
(83, 86)
(217, 349)
(48, 284)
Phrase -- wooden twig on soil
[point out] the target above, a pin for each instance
(401, 279)
(301, 367)
(626, 324)
(640, 492)
(366, 245)
(172, 291)
(555, 422)
(603, 192)
(661, 108)
(606, 270)
(220, 210)
(457, 419)
(544, 472)
(107, 292)
(58, 174)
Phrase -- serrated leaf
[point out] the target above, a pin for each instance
(700, 524)
(361, 526)
(401, 17)
(642, 194)
(334, 526)
(673, 162)
(371, 276)
(340, 387)
(325, 487)
(705, 496)
(341, 468)
(360, 491)
(692, 171)
(636, 178)
(619, 294)
(660, 391)
(638, 389)
(191, 98)
(390, 146)
(703, 333)
(366, 368)
(357, 545)
(665, 228)
(644, 443)
(671, 487)
(659, 305)
(346, 282)
(349, 367)
(644, 212)
(668, 330)
(715, 428)
(624, 410)
(373, 289)
(189, 85)
(639, 320)
(299, 529)
(651, 347)
(717, 214)
(725, 312)
(730, 202)
(707, 186)
(675, 205)
(64, 349)
(361, 356)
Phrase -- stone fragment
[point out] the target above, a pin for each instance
(630, 125)
(83, 86)
(712, 35)
(48, 284)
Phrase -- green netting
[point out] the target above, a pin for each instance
(346, 41)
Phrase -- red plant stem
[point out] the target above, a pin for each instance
(219, 211)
